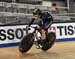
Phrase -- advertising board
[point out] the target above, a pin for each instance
(12, 35)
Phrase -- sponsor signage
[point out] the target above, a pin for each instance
(14, 34)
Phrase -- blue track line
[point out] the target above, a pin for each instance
(17, 43)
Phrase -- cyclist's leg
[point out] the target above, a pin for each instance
(43, 34)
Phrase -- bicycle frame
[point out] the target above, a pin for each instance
(37, 34)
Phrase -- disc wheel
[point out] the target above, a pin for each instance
(51, 37)
(26, 43)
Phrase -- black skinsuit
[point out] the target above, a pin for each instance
(45, 20)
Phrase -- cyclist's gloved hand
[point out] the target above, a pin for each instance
(37, 26)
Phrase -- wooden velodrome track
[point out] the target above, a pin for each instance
(60, 50)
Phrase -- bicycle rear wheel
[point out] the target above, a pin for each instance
(51, 37)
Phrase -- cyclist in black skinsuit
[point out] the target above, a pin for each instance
(45, 20)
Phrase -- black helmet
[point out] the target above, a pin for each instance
(37, 12)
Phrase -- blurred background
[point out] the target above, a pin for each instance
(20, 11)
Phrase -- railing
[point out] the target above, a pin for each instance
(69, 15)
(25, 18)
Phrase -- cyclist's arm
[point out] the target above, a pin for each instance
(31, 21)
